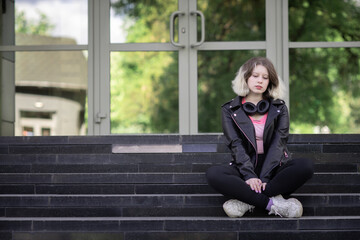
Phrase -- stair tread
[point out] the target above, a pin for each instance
(166, 195)
(225, 218)
(217, 218)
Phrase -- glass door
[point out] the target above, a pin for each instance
(144, 67)
(172, 62)
(234, 32)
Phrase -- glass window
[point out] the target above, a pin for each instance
(50, 93)
(325, 90)
(144, 92)
(233, 20)
(214, 84)
(140, 20)
(43, 22)
(28, 131)
(324, 20)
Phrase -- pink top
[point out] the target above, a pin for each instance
(259, 126)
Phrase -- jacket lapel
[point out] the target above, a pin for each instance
(242, 120)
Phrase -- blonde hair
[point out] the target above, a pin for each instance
(275, 89)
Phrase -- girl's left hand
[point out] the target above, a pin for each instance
(263, 186)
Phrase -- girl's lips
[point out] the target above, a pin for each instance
(258, 87)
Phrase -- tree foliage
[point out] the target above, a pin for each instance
(324, 82)
(43, 26)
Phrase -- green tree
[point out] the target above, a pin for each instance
(40, 27)
(324, 82)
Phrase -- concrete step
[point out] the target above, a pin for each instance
(166, 211)
(171, 139)
(136, 188)
(137, 158)
(348, 178)
(159, 205)
(180, 224)
(200, 235)
(144, 168)
(125, 200)
(332, 143)
(220, 147)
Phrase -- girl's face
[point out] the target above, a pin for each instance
(259, 80)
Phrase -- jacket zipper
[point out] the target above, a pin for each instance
(256, 154)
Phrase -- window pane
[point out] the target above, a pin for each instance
(216, 70)
(325, 90)
(44, 22)
(50, 97)
(140, 20)
(144, 92)
(324, 20)
(230, 20)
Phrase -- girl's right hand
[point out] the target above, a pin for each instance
(255, 184)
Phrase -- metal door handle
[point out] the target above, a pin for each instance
(172, 18)
(202, 40)
(100, 116)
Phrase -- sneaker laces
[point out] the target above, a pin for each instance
(251, 208)
(275, 212)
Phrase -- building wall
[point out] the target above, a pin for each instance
(62, 116)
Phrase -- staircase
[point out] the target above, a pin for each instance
(154, 187)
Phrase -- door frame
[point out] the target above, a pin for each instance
(100, 48)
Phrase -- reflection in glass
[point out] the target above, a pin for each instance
(230, 20)
(144, 92)
(50, 97)
(216, 70)
(324, 20)
(140, 20)
(325, 90)
(66, 22)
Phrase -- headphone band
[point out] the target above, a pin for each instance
(261, 107)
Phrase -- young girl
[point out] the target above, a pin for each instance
(256, 127)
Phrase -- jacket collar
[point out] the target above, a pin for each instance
(236, 102)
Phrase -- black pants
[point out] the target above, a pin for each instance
(227, 180)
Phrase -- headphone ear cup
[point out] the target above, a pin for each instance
(249, 108)
(263, 106)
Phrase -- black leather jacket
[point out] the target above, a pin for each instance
(240, 138)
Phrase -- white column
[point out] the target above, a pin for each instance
(99, 68)
(193, 70)
(7, 71)
(277, 39)
(184, 68)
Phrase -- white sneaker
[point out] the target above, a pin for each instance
(289, 208)
(235, 208)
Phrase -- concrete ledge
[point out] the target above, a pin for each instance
(153, 148)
